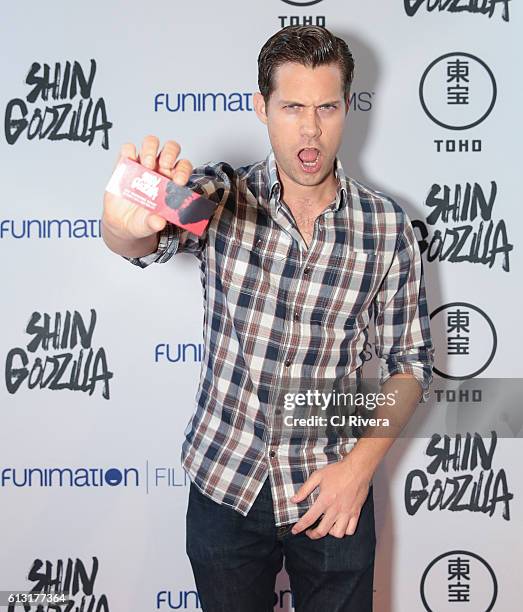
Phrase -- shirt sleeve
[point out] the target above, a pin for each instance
(403, 339)
(214, 181)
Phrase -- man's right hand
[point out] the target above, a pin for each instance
(128, 221)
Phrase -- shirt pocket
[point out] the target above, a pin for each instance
(343, 285)
(254, 265)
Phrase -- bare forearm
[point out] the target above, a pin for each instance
(370, 449)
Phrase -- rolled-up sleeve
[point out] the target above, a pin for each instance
(403, 339)
(213, 181)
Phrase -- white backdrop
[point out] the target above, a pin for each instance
(112, 513)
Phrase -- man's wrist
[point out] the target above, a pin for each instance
(359, 463)
(367, 454)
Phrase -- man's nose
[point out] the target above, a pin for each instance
(310, 125)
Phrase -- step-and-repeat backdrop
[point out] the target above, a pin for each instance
(101, 359)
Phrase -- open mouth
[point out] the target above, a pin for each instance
(310, 159)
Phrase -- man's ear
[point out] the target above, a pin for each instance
(260, 107)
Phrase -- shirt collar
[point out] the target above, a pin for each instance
(274, 184)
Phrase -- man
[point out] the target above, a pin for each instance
(295, 261)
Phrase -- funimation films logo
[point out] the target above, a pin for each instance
(458, 577)
(458, 91)
(465, 339)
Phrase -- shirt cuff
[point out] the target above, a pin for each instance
(417, 362)
(169, 237)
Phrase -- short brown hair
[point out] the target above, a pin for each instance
(307, 45)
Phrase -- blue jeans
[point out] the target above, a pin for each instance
(235, 559)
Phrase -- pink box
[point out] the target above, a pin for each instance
(160, 195)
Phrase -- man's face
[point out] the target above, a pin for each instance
(305, 117)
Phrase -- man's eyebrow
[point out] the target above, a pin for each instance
(338, 101)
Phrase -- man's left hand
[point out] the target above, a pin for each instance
(343, 492)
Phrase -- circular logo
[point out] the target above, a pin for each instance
(458, 579)
(458, 91)
(302, 3)
(113, 477)
(465, 340)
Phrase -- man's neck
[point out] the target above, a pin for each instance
(314, 198)
(309, 197)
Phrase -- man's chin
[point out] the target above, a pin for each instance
(310, 180)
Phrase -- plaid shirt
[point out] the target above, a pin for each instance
(277, 311)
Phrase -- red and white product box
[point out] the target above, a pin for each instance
(158, 194)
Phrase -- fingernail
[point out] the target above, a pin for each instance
(167, 162)
(149, 161)
(178, 178)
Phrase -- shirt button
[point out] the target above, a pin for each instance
(272, 454)
(287, 363)
(296, 316)
(307, 270)
(277, 411)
